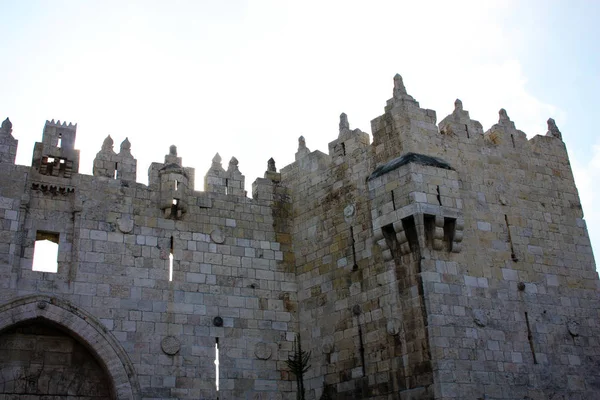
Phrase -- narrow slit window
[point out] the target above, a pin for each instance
(59, 144)
(116, 169)
(45, 252)
(226, 186)
(429, 221)
(176, 185)
(217, 363)
(171, 261)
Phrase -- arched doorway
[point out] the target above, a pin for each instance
(38, 360)
(51, 349)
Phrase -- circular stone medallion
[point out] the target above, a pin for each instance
(262, 351)
(170, 345)
(126, 223)
(217, 236)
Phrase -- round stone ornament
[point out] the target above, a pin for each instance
(217, 236)
(393, 327)
(170, 345)
(126, 224)
(262, 351)
(349, 210)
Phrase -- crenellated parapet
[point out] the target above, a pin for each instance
(115, 166)
(349, 143)
(219, 180)
(460, 124)
(404, 127)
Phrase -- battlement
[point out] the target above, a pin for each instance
(439, 261)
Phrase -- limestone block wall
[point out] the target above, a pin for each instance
(440, 261)
(501, 318)
(229, 284)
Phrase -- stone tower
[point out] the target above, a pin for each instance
(440, 261)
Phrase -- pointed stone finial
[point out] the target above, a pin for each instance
(458, 106)
(344, 124)
(125, 145)
(399, 88)
(173, 150)
(301, 143)
(271, 165)
(503, 115)
(6, 127)
(233, 165)
(107, 145)
(217, 159)
(553, 129)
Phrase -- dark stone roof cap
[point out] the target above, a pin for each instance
(406, 159)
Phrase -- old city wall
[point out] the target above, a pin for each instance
(439, 261)
(115, 237)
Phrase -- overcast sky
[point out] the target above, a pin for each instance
(245, 79)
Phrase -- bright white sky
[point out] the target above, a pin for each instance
(245, 79)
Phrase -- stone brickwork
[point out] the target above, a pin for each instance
(440, 261)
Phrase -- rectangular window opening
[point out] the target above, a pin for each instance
(171, 261)
(176, 185)
(226, 186)
(116, 169)
(45, 252)
(59, 144)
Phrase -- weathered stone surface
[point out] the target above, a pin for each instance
(437, 262)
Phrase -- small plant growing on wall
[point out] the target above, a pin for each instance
(298, 364)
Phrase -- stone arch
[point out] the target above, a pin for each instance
(83, 326)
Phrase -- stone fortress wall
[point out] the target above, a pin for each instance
(437, 262)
